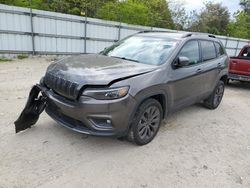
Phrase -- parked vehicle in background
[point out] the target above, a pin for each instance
(127, 89)
(239, 68)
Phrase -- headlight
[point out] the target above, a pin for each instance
(106, 93)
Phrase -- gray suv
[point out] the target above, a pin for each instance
(127, 89)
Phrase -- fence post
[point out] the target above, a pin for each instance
(85, 34)
(119, 31)
(237, 47)
(226, 43)
(32, 31)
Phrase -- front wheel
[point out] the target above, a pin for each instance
(214, 100)
(146, 122)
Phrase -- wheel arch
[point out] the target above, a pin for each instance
(224, 78)
(160, 96)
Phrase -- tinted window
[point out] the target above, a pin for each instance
(219, 49)
(208, 50)
(191, 51)
(142, 49)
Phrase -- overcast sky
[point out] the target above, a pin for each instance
(233, 5)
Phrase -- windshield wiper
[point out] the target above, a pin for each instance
(126, 59)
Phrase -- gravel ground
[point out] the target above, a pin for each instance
(195, 147)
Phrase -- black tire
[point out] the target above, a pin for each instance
(214, 100)
(146, 122)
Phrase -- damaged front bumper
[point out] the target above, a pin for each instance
(34, 107)
(85, 115)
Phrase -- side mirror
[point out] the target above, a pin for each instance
(181, 61)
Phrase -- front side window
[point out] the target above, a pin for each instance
(191, 51)
(142, 49)
(208, 50)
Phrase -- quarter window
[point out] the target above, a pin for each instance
(208, 50)
(191, 51)
(219, 49)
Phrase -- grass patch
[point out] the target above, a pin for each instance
(4, 59)
(22, 56)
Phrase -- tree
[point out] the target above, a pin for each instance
(36, 4)
(245, 4)
(77, 7)
(153, 13)
(159, 13)
(179, 15)
(127, 11)
(212, 19)
(240, 27)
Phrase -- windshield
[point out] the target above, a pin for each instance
(142, 49)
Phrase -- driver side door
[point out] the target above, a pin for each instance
(187, 81)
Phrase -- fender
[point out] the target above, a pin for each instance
(149, 92)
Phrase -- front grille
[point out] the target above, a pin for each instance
(61, 86)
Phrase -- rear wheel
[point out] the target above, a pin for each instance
(146, 122)
(214, 100)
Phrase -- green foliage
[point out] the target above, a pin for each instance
(22, 56)
(240, 27)
(179, 15)
(212, 19)
(36, 4)
(159, 13)
(77, 7)
(125, 11)
(5, 59)
(245, 4)
(153, 13)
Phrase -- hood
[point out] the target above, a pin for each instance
(68, 76)
(95, 69)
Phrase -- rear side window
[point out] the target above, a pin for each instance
(208, 50)
(219, 49)
(246, 53)
(191, 51)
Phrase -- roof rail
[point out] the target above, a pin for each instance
(187, 35)
(196, 33)
(148, 31)
(212, 36)
(184, 34)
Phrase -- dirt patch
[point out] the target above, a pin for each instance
(195, 147)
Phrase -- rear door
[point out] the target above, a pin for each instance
(213, 61)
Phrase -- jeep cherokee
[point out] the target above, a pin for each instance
(127, 89)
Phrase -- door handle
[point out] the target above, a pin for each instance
(198, 71)
(219, 65)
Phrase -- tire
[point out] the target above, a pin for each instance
(146, 122)
(214, 100)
